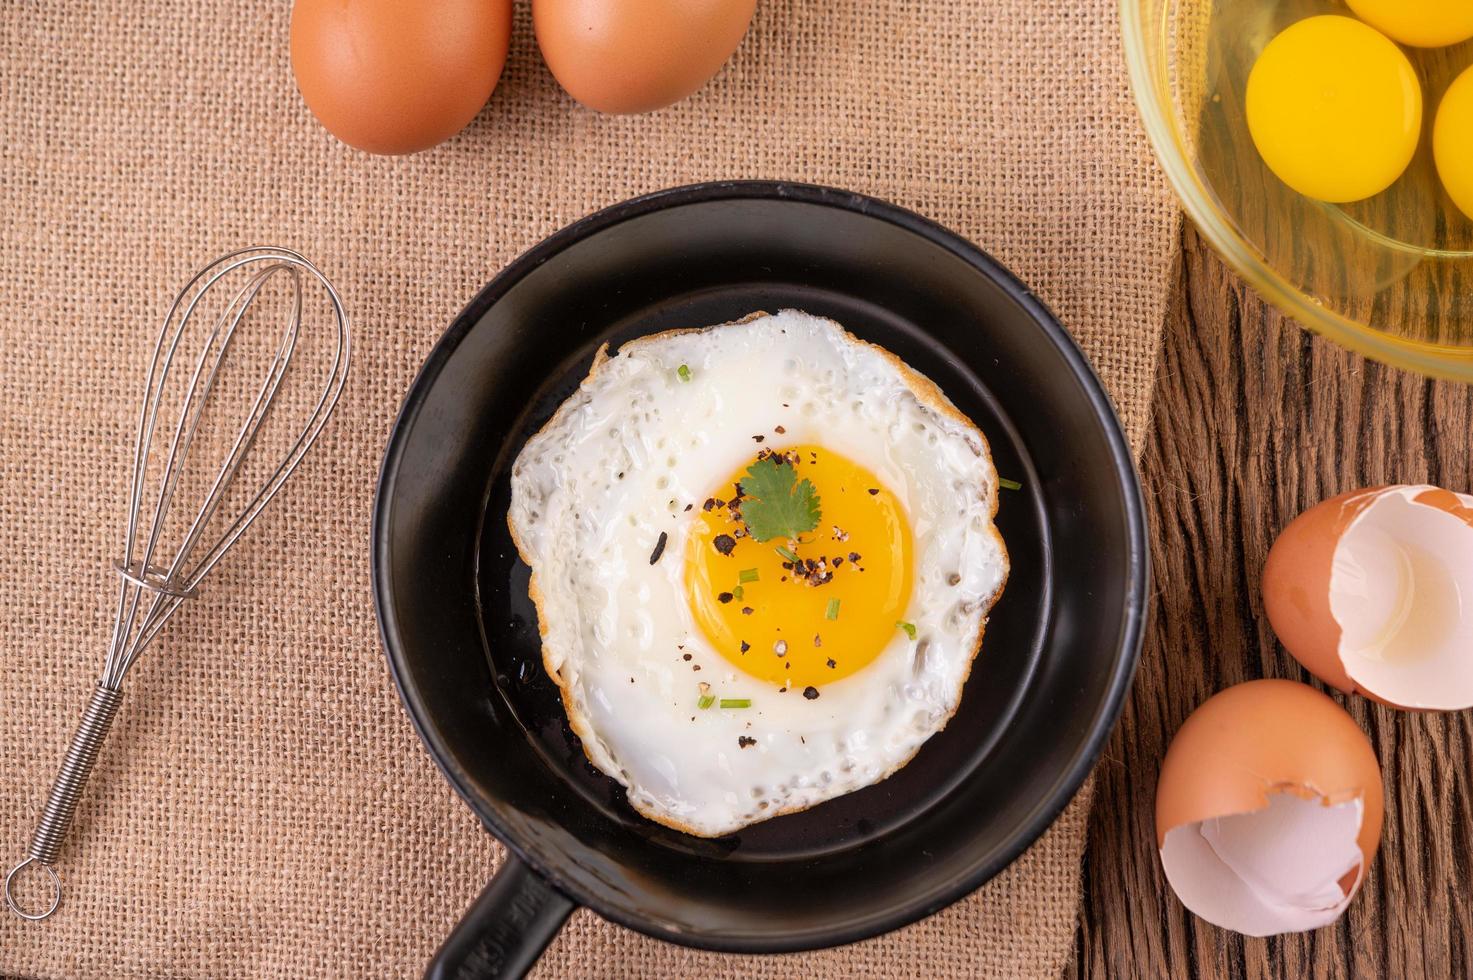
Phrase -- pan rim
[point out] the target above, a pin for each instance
(1126, 651)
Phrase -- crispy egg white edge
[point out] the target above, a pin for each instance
(927, 393)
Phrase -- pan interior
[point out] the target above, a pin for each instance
(1015, 631)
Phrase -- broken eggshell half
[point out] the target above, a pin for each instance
(1268, 809)
(1372, 591)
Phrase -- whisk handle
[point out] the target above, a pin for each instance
(61, 805)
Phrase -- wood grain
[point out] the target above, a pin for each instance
(1254, 421)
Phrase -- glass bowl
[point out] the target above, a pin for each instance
(1390, 277)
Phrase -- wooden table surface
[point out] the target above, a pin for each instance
(1256, 420)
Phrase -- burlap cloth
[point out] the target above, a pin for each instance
(263, 808)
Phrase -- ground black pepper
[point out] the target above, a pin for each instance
(659, 548)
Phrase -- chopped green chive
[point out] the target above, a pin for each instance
(736, 592)
(684, 372)
(833, 610)
(706, 700)
(736, 702)
(787, 555)
(910, 629)
(1009, 484)
(747, 575)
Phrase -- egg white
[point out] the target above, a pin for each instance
(617, 466)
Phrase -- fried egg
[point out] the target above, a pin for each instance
(763, 555)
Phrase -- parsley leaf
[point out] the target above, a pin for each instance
(776, 504)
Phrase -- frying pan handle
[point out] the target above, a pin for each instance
(506, 930)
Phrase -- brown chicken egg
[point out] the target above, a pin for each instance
(1372, 591)
(398, 76)
(1268, 809)
(623, 56)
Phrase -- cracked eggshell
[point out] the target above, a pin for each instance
(1268, 809)
(1372, 591)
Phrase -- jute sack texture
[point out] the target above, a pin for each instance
(263, 808)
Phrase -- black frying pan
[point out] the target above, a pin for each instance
(462, 635)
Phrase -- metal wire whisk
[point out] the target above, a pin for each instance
(154, 581)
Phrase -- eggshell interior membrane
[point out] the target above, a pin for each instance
(1271, 871)
(1268, 809)
(1370, 591)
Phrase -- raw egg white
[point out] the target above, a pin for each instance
(1372, 591)
(625, 56)
(398, 76)
(1268, 809)
(724, 679)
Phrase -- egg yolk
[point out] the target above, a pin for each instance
(809, 623)
(1452, 142)
(1420, 23)
(1335, 109)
